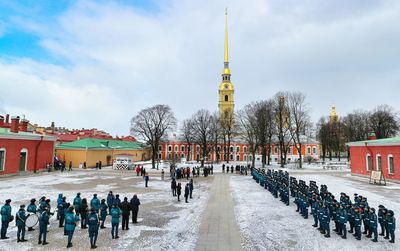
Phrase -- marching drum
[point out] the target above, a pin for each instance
(31, 220)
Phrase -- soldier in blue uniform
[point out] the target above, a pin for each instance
(77, 202)
(115, 217)
(20, 221)
(117, 201)
(43, 222)
(103, 212)
(326, 219)
(357, 223)
(110, 200)
(391, 225)
(343, 221)
(93, 222)
(373, 224)
(59, 200)
(95, 203)
(6, 218)
(381, 211)
(32, 209)
(71, 220)
(61, 211)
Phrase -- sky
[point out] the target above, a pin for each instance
(95, 64)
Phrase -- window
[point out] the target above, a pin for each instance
(2, 159)
(368, 162)
(169, 156)
(159, 148)
(176, 148)
(276, 150)
(390, 164)
(182, 148)
(289, 150)
(218, 148)
(226, 98)
(231, 157)
(314, 150)
(309, 150)
(182, 156)
(197, 148)
(245, 149)
(245, 158)
(169, 148)
(231, 149)
(159, 156)
(238, 149)
(378, 162)
(237, 158)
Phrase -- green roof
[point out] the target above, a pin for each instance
(377, 142)
(92, 143)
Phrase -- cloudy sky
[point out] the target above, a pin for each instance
(97, 63)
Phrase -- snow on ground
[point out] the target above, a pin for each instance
(165, 223)
(268, 224)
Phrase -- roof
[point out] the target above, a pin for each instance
(395, 141)
(5, 133)
(93, 143)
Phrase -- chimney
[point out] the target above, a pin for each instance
(7, 122)
(23, 126)
(14, 124)
(1, 121)
(372, 136)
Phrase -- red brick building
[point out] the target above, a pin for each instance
(239, 151)
(22, 151)
(376, 155)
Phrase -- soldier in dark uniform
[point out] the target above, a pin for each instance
(117, 200)
(93, 222)
(83, 212)
(135, 202)
(186, 193)
(173, 187)
(373, 224)
(126, 211)
(6, 218)
(190, 188)
(43, 222)
(20, 221)
(110, 200)
(357, 223)
(178, 190)
(380, 219)
(77, 202)
(391, 225)
(103, 212)
(32, 209)
(61, 211)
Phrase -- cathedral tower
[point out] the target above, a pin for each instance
(226, 99)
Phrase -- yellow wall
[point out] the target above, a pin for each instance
(94, 156)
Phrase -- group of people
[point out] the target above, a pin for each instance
(240, 169)
(326, 208)
(70, 213)
(187, 172)
(177, 189)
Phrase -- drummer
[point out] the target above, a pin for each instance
(32, 209)
(20, 222)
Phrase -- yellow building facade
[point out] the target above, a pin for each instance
(226, 90)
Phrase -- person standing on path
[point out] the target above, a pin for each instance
(126, 211)
(146, 179)
(43, 223)
(20, 222)
(187, 192)
(191, 188)
(162, 174)
(70, 221)
(173, 187)
(103, 212)
(93, 222)
(115, 215)
(179, 189)
(135, 202)
(32, 209)
(6, 218)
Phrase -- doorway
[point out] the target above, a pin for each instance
(23, 157)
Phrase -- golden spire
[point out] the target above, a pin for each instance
(226, 57)
(333, 115)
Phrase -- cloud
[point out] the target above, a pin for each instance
(117, 59)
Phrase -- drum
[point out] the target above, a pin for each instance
(32, 220)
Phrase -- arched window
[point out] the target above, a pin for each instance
(245, 149)
(2, 159)
(176, 148)
(182, 148)
(368, 162)
(378, 162)
(314, 150)
(238, 149)
(169, 148)
(390, 164)
(226, 98)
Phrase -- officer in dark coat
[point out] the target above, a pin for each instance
(380, 219)
(373, 224)
(103, 212)
(43, 222)
(178, 190)
(84, 211)
(20, 221)
(187, 193)
(32, 209)
(191, 188)
(173, 187)
(391, 225)
(117, 200)
(135, 202)
(110, 200)
(93, 222)
(126, 211)
(6, 218)
(61, 211)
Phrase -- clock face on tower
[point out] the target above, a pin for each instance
(226, 87)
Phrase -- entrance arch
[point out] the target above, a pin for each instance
(23, 160)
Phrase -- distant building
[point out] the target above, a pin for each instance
(376, 155)
(22, 151)
(92, 151)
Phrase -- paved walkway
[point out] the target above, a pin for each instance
(218, 229)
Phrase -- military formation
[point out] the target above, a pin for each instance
(345, 215)
(92, 216)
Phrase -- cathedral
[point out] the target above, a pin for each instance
(226, 90)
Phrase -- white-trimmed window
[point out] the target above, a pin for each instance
(176, 148)
(390, 164)
(169, 148)
(378, 162)
(314, 150)
(308, 150)
(218, 148)
(160, 148)
(182, 156)
(245, 158)
(368, 161)
(182, 148)
(231, 149)
(289, 150)
(238, 149)
(276, 150)
(197, 148)
(2, 159)
(245, 149)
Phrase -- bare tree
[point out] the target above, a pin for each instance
(282, 118)
(228, 130)
(323, 135)
(187, 135)
(299, 119)
(201, 123)
(356, 127)
(151, 124)
(384, 122)
(247, 127)
(264, 117)
(216, 135)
